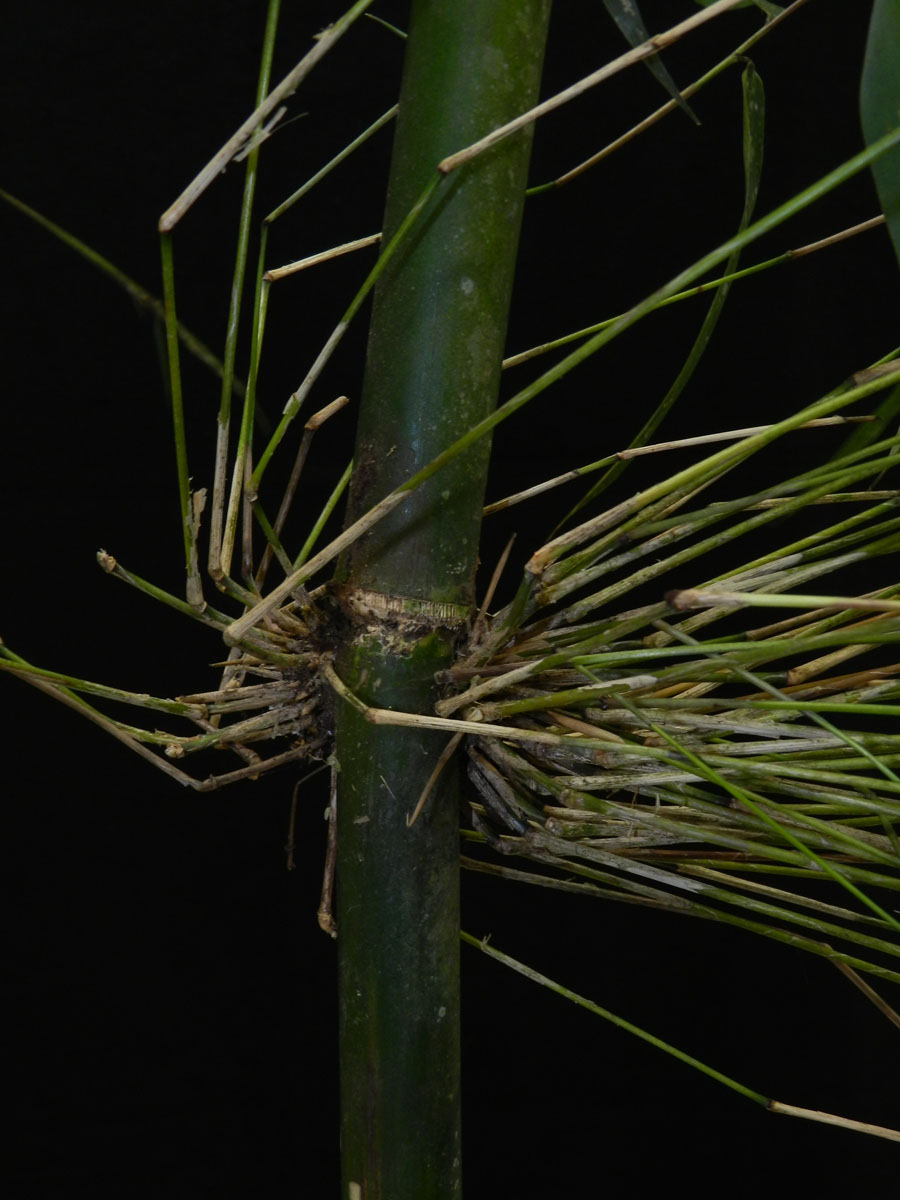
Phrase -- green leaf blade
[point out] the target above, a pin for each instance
(630, 23)
(880, 106)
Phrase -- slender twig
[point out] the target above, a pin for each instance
(223, 425)
(325, 913)
(217, 164)
(447, 753)
(324, 256)
(329, 166)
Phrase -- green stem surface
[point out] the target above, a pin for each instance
(433, 370)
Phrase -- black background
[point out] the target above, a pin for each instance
(172, 1001)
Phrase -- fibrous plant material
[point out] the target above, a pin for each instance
(629, 723)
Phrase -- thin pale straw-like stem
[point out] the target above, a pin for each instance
(670, 106)
(668, 1048)
(214, 782)
(273, 546)
(701, 597)
(295, 400)
(324, 256)
(189, 520)
(480, 617)
(447, 753)
(813, 1114)
(655, 448)
(178, 708)
(548, 484)
(320, 522)
(217, 164)
(815, 621)
(728, 435)
(251, 695)
(504, 412)
(325, 912)
(263, 134)
(686, 481)
(111, 727)
(385, 716)
(206, 616)
(638, 54)
(315, 422)
(239, 477)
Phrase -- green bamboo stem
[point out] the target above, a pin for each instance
(432, 372)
